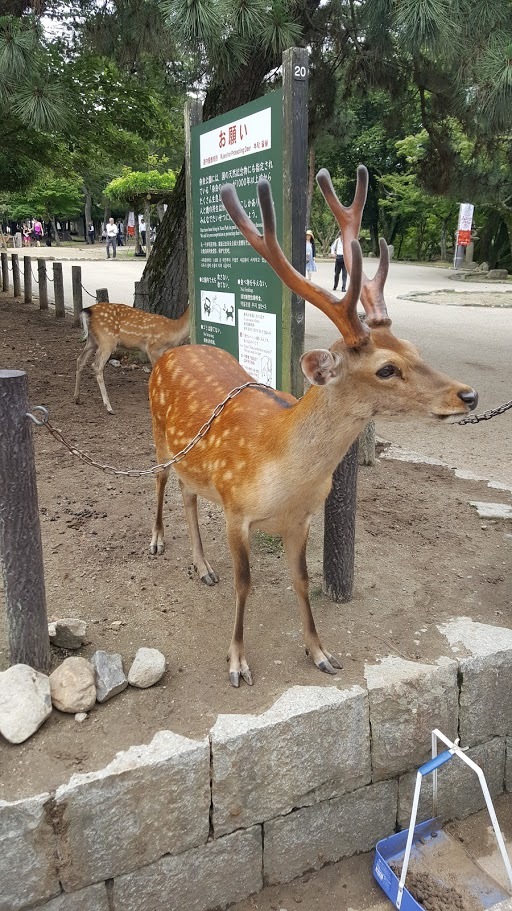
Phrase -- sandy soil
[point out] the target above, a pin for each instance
(423, 555)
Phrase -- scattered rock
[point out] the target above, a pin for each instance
(110, 677)
(81, 716)
(114, 362)
(67, 633)
(147, 668)
(25, 702)
(498, 273)
(117, 624)
(73, 686)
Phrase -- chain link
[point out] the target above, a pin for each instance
(87, 292)
(142, 472)
(486, 415)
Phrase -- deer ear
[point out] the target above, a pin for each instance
(320, 366)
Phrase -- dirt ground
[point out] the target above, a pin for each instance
(423, 556)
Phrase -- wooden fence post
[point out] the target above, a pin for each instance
(5, 272)
(43, 284)
(58, 291)
(102, 296)
(78, 306)
(27, 279)
(16, 283)
(339, 529)
(21, 554)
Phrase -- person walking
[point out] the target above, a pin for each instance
(37, 231)
(339, 263)
(120, 232)
(91, 232)
(310, 254)
(111, 237)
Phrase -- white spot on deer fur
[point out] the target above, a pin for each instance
(228, 475)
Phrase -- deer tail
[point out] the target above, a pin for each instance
(84, 319)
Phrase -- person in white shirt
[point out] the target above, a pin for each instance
(339, 263)
(111, 238)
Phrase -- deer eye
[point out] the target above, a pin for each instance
(387, 371)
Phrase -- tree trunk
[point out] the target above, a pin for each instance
(87, 213)
(54, 223)
(147, 220)
(443, 241)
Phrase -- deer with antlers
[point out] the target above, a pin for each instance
(268, 458)
(108, 325)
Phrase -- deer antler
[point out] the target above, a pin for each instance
(349, 220)
(343, 313)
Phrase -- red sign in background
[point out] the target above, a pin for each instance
(463, 238)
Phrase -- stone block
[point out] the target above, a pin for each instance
(150, 801)
(312, 744)
(485, 705)
(324, 833)
(224, 871)
(28, 855)
(94, 898)
(407, 700)
(499, 274)
(508, 764)
(458, 788)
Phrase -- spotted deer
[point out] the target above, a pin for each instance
(268, 458)
(108, 325)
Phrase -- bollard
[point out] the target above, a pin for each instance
(27, 279)
(16, 283)
(58, 291)
(102, 296)
(21, 554)
(5, 272)
(76, 278)
(339, 529)
(43, 284)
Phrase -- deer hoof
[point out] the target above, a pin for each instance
(247, 676)
(326, 667)
(334, 661)
(209, 578)
(156, 549)
(234, 678)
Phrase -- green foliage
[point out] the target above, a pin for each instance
(48, 196)
(133, 186)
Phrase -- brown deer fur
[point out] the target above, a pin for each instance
(108, 325)
(268, 459)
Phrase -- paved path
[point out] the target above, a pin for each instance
(473, 344)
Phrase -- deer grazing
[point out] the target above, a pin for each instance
(268, 458)
(108, 325)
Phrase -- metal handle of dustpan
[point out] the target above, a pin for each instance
(431, 767)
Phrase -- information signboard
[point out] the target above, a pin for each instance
(466, 210)
(237, 297)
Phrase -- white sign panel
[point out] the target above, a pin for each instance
(241, 137)
(257, 345)
(465, 216)
(218, 307)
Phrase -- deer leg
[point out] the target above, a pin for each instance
(238, 540)
(295, 541)
(201, 565)
(82, 361)
(157, 545)
(101, 357)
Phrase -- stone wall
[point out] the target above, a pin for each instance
(323, 774)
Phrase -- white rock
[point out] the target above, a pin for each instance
(81, 716)
(25, 702)
(73, 686)
(148, 667)
(67, 633)
(492, 510)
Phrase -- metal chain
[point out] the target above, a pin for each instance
(33, 276)
(87, 292)
(486, 415)
(142, 472)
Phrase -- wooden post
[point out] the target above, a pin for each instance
(27, 279)
(5, 272)
(16, 283)
(367, 445)
(58, 291)
(147, 219)
(78, 306)
(339, 529)
(102, 296)
(295, 156)
(21, 554)
(43, 284)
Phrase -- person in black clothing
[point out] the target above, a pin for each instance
(339, 263)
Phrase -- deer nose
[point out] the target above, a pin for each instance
(469, 398)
